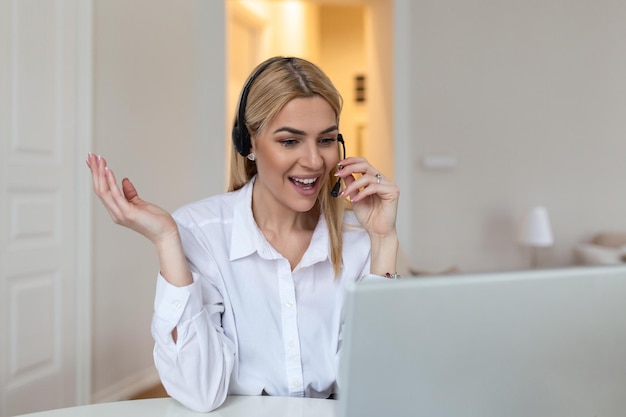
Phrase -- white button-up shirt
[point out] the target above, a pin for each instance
(249, 325)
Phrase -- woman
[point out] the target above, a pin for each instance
(249, 293)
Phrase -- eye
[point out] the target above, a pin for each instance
(288, 143)
(327, 141)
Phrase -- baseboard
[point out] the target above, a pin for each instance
(128, 387)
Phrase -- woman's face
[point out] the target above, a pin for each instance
(295, 153)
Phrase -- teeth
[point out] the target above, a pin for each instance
(305, 180)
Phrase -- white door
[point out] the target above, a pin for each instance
(39, 368)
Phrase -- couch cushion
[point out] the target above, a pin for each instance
(591, 254)
(610, 239)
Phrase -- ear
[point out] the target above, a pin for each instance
(252, 143)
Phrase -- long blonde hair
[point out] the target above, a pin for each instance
(283, 80)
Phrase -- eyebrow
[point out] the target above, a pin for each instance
(302, 132)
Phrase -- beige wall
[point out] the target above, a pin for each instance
(531, 99)
(159, 120)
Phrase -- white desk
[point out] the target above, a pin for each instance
(235, 406)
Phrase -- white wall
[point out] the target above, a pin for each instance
(159, 120)
(530, 96)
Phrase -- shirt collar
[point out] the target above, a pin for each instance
(247, 238)
(319, 249)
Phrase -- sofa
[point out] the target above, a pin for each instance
(605, 248)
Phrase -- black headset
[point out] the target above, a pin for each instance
(335, 191)
(241, 135)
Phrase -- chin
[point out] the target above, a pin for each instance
(302, 208)
(303, 205)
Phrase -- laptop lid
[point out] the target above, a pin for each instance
(532, 343)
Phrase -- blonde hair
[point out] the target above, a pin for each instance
(281, 81)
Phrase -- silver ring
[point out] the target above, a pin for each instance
(378, 177)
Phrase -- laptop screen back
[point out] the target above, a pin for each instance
(533, 343)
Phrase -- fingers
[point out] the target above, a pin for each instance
(129, 190)
(348, 181)
(368, 185)
(124, 205)
(114, 198)
(354, 165)
(360, 187)
(362, 180)
(94, 164)
(98, 168)
(105, 187)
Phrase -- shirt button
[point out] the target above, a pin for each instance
(177, 304)
(292, 344)
(289, 304)
(295, 383)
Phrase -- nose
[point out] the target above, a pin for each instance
(311, 157)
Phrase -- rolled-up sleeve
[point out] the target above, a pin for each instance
(195, 369)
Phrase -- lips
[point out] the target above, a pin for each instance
(304, 183)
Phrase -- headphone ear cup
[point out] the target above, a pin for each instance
(237, 139)
(244, 141)
(241, 140)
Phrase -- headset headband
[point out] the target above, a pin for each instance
(240, 134)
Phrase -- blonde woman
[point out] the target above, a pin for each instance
(250, 289)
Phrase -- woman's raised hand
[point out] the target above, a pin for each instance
(374, 197)
(375, 203)
(125, 207)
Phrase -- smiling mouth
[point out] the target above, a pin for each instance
(304, 183)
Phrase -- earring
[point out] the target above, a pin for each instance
(251, 156)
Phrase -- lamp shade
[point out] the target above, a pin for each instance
(535, 229)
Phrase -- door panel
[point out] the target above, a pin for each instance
(38, 205)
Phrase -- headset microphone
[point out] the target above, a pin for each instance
(335, 191)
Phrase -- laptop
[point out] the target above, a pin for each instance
(530, 343)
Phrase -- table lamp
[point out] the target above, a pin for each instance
(535, 231)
